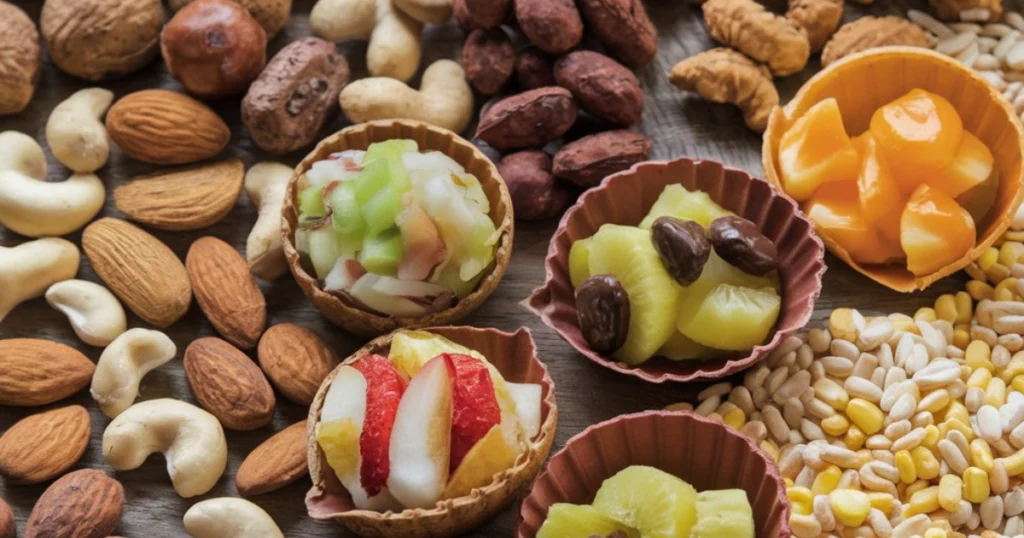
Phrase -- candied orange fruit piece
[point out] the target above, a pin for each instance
(934, 231)
(835, 209)
(919, 134)
(881, 201)
(971, 166)
(860, 143)
(816, 150)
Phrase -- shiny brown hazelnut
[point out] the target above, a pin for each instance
(214, 48)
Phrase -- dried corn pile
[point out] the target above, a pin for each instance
(899, 426)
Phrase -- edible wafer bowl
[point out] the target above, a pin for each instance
(703, 452)
(626, 197)
(430, 138)
(862, 83)
(515, 356)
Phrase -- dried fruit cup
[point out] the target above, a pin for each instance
(895, 72)
(515, 358)
(625, 198)
(345, 312)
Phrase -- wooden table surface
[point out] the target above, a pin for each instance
(680, 126)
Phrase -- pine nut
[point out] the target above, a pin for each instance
(956, 44)
(823, 513)
(991, 511)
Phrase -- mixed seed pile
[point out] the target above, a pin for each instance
(899, 426)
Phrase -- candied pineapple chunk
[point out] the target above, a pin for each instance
(881, 201)
(972, 165)
(816, 150)
(934, 231)
(835, 209)
(919, 134)
(723, 514)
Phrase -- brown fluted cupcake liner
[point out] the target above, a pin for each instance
(626, 197)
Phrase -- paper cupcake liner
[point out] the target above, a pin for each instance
(704, 452)
(626, 197)
(429, 138)
(515, 356)
(862, 83)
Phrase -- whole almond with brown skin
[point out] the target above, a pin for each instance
(7, 527)
(296, 360)
(143, 272)
(83, 504)
(43, 446)
(187, 199)
(165, 127)
(227, 291)
(279, 461)
(228, 384)
(37, 372)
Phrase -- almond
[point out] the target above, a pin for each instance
(228, 384)
(165, 127)
(139, 269)
(7, 527)
(276, 463)
(43, 446)
(187, 199)
(296, 360)
(226, 291)
(37, 372)
(83, 504)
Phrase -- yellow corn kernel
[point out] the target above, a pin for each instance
(951, 492)
(911, 489)
(965, 372)
(905, 465)
(964, 307)
(937, 404)
(855, 438)
(981, 455)
(988, 258)
(800, 500)
(931, 436)
(735, 418)
(982, 373)
(979, 290)
(995, 392)
(681, 406)
(1010, 252)
(849, 506)
(835, 425)
(866, 415)
(957, 411)
(1018, 383)
(935, 533)
(925, 501)
(956, 424)
(1014, 369)
(882, 501)
(903, 322)
(925, 464)
(831, 393)
(841, 324)
(925, 314)
(1014, 463)
(945, 307)
(826, 481)
(976, 487)
(1004, 290)
(961, 337)
(770, 448)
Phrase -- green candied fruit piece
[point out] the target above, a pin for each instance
(389, 149)
(381, 211)
(311, 203)
(378, 190)
(346, 216)
(579, 261)
(723, 513)
(371, 180)
(323, 250)
(676, 201)
(382, 253)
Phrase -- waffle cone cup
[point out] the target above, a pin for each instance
(430, 138)
(515, 356)
(862, 83)
(626, 197)
(703, 452)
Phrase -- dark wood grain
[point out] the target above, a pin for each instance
(680, 125)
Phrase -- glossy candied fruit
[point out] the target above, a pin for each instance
(919, 134)
(676, 201)
(835, 210)
(816, 150)
(971, 166)
(881, 201)
(650, 500)
(934, 231)
(735, 318)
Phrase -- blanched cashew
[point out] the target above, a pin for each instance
(115, 383)
(395, 47)
(266, 183)
(75, 133)
(191, 440)
(34, 207)
(94, 312)
(29, 268)
(228, 517)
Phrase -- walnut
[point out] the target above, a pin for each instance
(949, 10)
(20, 61)
(870, 32)
(97, 39)
(819, 18)
(724, 75)
(762, 35)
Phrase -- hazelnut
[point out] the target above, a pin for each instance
(214, 48)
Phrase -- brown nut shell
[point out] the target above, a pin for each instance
(624, 29)
(601, 86)
(226, 291)
(554, 26)
(704, 452)
(489, 60)
(590, 159)
(43, 446)
(228, 384)
(188, 199)
(37, 372)
(277, 462)
(535, 192)
(23, 61)
(515, 356)
(296, 360)
(898, 70)
(528, 120)
(83, 504)
(625, 198)
(429, 138)
(165, 127)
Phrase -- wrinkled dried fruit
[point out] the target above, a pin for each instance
(726, 76)
(682, 246)
(870, 32)
(819, 18)
(19, 71)
(602, 306)
(762, 35)
(740, 242)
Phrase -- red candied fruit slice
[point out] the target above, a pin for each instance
(384, 388)
(474, 404)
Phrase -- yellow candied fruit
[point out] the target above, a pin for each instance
(1018, 383)
(981, 455)
(976, 488)
(982, 373)
(826, 481)
(800, 500)
(988, 258)
(855, 438)
(979, 290)
(905, 466)
(931, 436)
(925, 314)
(951, 492)
(883, 502)
(925, 501)
(925, 464)
(866, 415)
(945, 307)
(964, 306)
(735, 418)
(849, 506)
(995, 392)
(835, 425)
